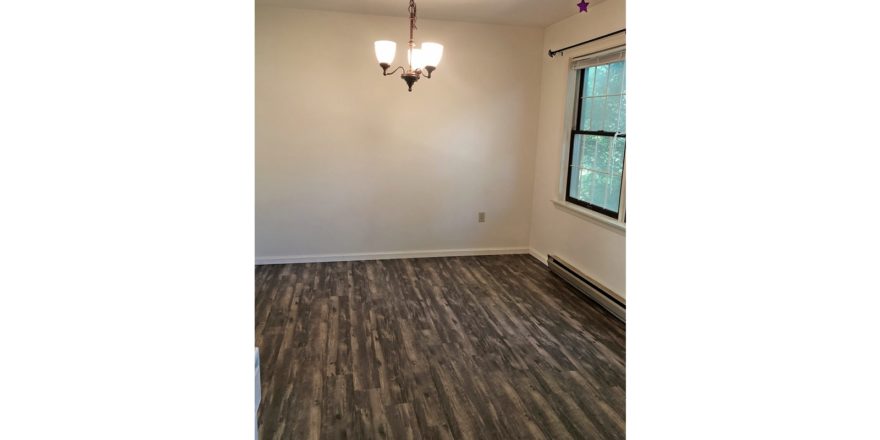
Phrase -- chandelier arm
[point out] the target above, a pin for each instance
(393, 71)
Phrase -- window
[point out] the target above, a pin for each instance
(598, 137)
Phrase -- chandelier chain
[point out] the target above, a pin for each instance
(412, 20)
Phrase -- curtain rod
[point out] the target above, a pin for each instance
(554, 52)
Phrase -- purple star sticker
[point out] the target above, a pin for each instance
(583, 6)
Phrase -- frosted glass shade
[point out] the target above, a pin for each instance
(385, 51)
(431, 53)
(417, 59)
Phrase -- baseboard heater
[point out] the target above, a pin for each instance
(611, 301)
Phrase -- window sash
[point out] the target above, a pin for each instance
(609, 102)
(571, 176)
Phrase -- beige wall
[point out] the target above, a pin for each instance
(597, 250)
(350, 162)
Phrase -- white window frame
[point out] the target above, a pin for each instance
(570, 114)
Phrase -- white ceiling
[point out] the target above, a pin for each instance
(512, 12)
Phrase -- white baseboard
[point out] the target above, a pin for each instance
(392, 255)
(541, 257)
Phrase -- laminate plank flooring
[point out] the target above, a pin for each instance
(492, 347)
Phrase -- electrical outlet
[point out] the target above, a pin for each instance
(481, 217)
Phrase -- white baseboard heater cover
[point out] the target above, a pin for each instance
(611, 301)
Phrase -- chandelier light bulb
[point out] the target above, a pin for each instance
(385, 51)
(417, 59)
(432, 53)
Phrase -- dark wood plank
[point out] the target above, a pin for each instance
(462, 347)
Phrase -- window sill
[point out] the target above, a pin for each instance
(584, 213)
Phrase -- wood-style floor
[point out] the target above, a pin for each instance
(491, 347)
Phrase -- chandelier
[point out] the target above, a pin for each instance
(421, 61)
